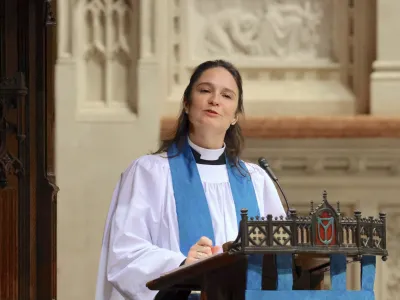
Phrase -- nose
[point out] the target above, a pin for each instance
(214, 99)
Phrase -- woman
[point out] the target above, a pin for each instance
(182, 203)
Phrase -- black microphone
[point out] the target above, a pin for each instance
(265, 166)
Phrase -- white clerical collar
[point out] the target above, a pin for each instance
(207, 154)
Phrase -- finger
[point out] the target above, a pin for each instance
(201, 255)
(204, 241)
(215, 249)
(192, 253)
(196, 254)
(204, 249)
(198, 248)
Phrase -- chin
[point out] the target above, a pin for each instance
(210, 125)
(211, 122)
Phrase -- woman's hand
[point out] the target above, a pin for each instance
(202, 249)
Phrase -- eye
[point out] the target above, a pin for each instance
(204, 91)
(227, 96)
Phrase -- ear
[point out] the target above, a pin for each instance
(234, 120)
(185, 107)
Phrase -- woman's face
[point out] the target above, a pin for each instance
(214, 101)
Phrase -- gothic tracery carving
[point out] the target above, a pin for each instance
(108, 51)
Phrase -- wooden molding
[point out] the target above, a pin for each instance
(309, 127)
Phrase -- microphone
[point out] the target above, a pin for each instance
(265, 166)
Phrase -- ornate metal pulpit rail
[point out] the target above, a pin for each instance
(323, 231)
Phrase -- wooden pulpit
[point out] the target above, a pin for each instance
(286, 258)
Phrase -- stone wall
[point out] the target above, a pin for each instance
(122, 67)
(282, 62)
(107, 114)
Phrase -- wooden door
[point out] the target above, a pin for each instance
(27, 184)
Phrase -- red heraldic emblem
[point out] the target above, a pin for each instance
(325, 229)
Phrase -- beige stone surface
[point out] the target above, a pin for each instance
(283, 49)
(385, 79)
(107, 114)
(120, 75)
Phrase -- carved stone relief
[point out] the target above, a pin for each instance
(108, 45)
(283, 48)
(284, 29)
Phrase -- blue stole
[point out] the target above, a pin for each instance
(194, 219)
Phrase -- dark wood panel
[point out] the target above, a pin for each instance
(8, 238)
(10, 41)
(25, 214)
(28, 223)
(12, 169)
(2, 39)
(45, 181)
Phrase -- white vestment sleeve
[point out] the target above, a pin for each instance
(132, 257)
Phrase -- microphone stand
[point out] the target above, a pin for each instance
(265, 166)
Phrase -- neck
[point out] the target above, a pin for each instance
(207, 141)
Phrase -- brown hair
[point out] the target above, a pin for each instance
(233, 138)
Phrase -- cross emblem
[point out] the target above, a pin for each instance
(281, 236)
(257, 236)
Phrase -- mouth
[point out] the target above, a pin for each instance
(212, 111)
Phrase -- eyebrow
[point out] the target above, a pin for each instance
(209, 83)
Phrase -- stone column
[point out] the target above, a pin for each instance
(385, 79)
